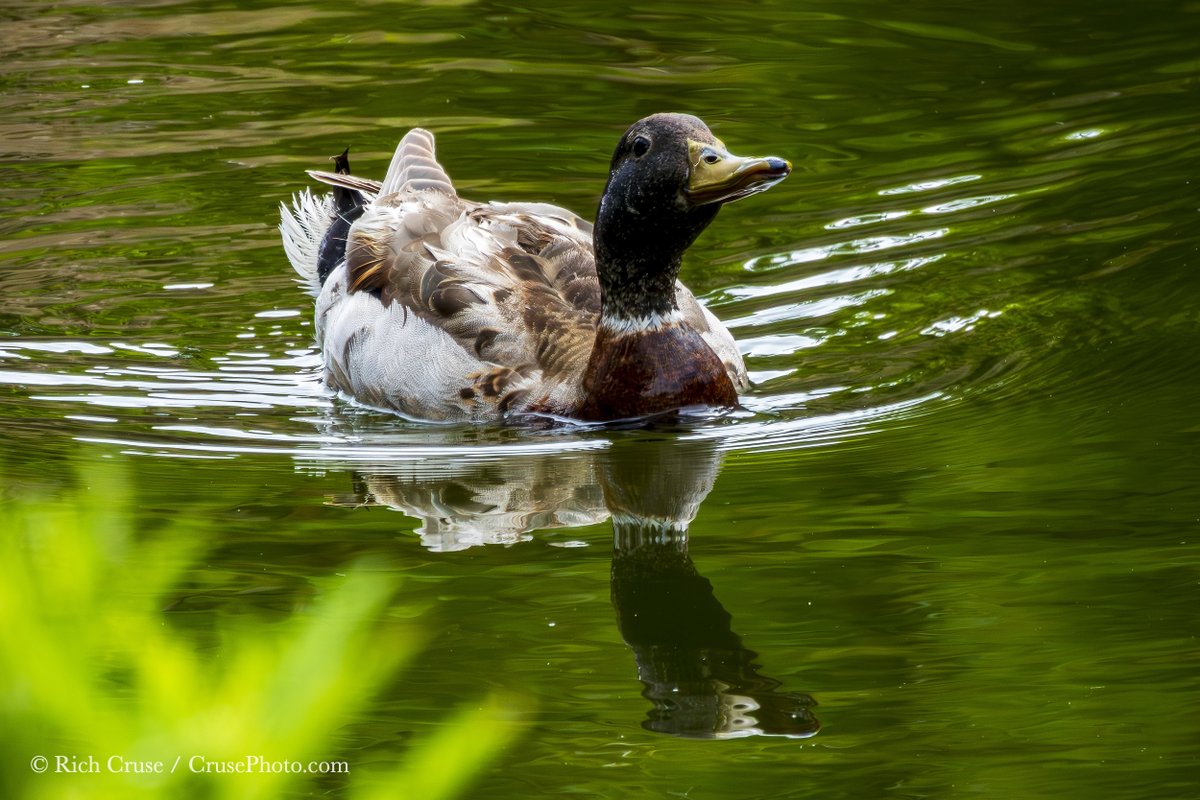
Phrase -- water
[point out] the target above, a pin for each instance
(950, 546)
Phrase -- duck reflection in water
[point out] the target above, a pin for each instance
(701, 680)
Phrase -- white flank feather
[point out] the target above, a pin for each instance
(388, 357)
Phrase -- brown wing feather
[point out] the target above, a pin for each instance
(574, 275)
(415, 167)
(517, 291)
(389, 246)
(513, 284)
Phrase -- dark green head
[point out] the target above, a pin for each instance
(668, 179)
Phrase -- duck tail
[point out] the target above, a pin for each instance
(303, 226)
(415, 167)
(314, 229)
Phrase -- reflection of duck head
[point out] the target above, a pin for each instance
(702, 681)
(700, 678)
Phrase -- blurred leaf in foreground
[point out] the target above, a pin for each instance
(91, 669)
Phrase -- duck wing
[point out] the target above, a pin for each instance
(450, 309)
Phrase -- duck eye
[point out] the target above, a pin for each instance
(641, 146)
(710, 157)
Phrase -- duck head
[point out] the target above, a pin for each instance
(669, 177)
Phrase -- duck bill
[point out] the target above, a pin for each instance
(718, 176)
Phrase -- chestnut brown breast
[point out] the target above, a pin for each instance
(645, 372)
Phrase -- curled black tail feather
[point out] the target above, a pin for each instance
(347, 206)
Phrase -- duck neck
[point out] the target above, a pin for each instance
(638, 256)
(646, 357)
(633, 290)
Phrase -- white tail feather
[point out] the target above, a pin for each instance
(302, 228)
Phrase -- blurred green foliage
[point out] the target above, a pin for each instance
(92, 668)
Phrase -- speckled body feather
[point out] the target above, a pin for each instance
(448, 309)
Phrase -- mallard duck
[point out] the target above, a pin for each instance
(442, 308)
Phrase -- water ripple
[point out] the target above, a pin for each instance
(806, 337)
(915, 259)
(869, 244)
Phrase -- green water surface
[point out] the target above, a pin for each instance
(950, 548)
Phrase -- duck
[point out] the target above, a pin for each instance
(444, 309)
